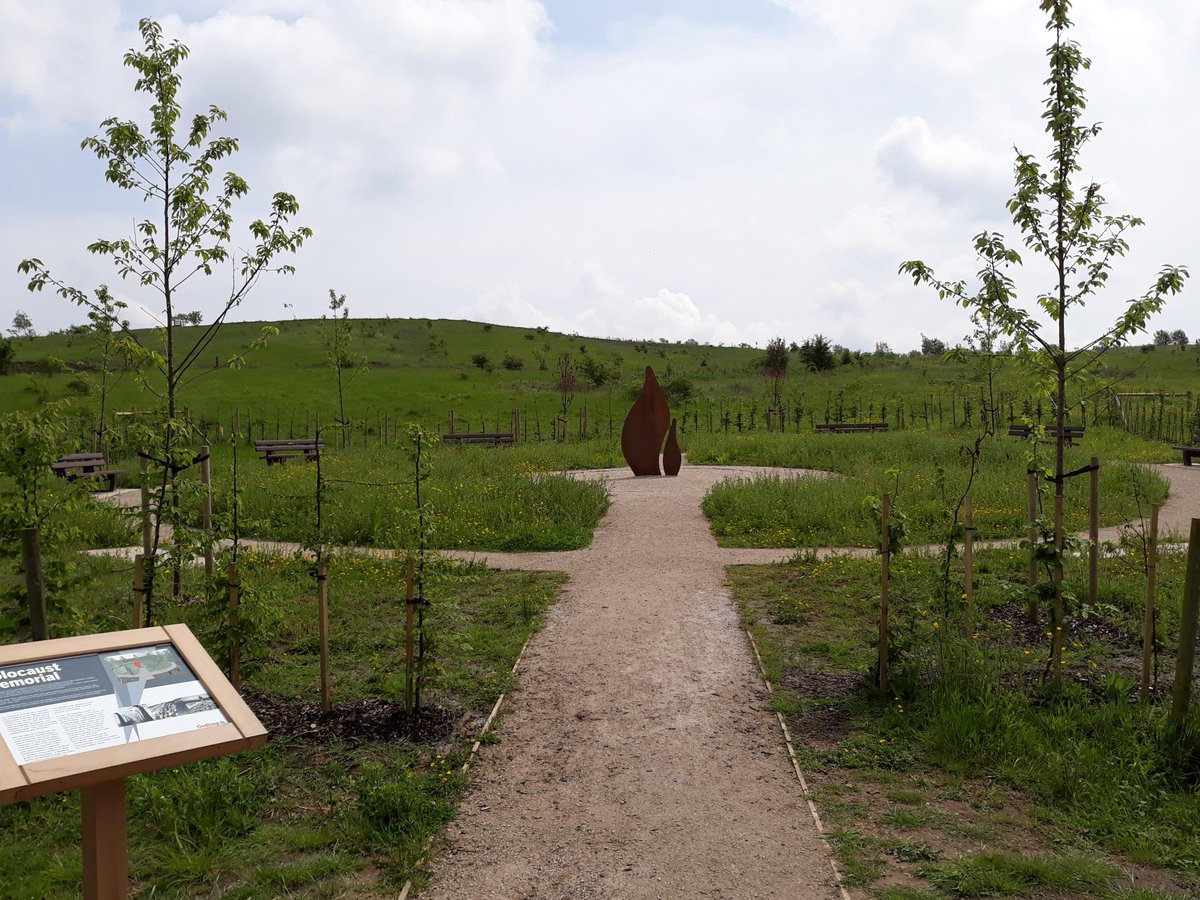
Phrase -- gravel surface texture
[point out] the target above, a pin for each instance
(639, 758)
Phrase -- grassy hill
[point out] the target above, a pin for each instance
(420, 369)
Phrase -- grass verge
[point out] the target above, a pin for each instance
(973, 778)
(331, 807)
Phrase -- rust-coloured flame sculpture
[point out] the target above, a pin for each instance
(672, 455)
(645, 426)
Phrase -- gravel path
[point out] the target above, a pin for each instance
(638, 759)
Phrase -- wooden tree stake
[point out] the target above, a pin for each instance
(885, 680)
(206, 508)
(35, 586)
(1186, 659)
(408, 641)
(1058, 619)
(139, 591)
(1032, 577)
(1094, 534)
(969, 555)
(235, 628)
(147, 536)
(323, 633)
(1151, 580)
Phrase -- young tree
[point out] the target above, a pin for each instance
(816, 354)
(932, 346)
(335, 333)
(171, 166)
(105, 326)
(1065, 224)
(22, 326)
(774, 365)
(566, 383)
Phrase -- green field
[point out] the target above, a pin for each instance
(418, 370)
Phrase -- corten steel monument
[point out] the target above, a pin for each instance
(644, 429)
(672, 455)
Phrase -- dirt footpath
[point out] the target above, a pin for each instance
(638, 759)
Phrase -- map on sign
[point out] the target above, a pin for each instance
(58, 707)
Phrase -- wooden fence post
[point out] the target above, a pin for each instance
(323, 633)
(35, 585)
(1186, 658)
(235, 628)
(139, 592)
(1148, 624)
(885, 680)
(1094, 534)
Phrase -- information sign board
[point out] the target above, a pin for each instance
(98, 708)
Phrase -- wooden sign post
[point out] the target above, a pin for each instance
(88, 712)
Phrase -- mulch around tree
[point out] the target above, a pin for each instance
(353, 723)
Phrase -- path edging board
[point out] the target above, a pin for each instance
(787, 740)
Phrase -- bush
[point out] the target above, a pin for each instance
(512, 362)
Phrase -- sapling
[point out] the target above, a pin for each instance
(171, 168)
(1066, 225)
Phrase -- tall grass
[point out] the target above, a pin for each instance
(480, 499)
(925, 471)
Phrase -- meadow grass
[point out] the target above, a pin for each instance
(299, 817)
(1066, 780)
(924, 471)
(478, 498)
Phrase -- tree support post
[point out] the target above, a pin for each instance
(1094, 534)
(1186, 659)
(1148, 624)
(323, 633)
(35, 586)
(885, 680)
(206, 509)
(139, 591)
(969, 555)
(1032, 575)
(235, 628)
(408, 641)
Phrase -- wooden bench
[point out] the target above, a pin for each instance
(74, 466)
(851, 427)
(1071, 433)
(281, 451)
(1193, 450)
(493, 438)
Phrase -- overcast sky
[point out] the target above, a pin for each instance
(723, 170)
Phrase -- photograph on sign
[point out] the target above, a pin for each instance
(59, 707)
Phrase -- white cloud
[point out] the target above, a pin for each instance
(725, 182)
(951, 168)
(603, 308)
